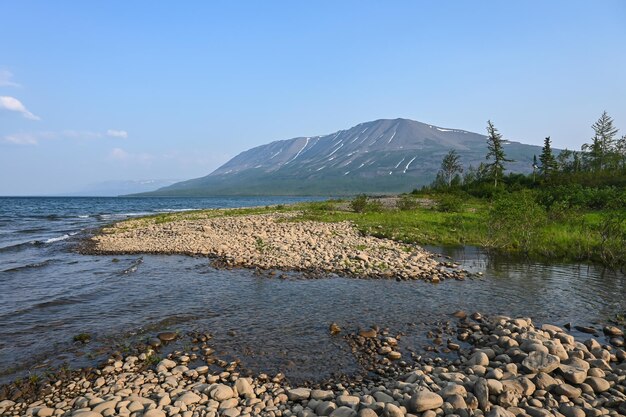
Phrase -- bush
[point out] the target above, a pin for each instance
(515, 220)
(406, 203)
(450, 203)
(576, 195)
(362, 204)
(359, 203)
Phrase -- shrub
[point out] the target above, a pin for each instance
(406, 203)
(450, 203)
(514, 221)
(359, 203)
(576, 195)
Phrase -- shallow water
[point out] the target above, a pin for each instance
(50, 293)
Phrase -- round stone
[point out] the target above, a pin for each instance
(425, 400)
(167, 336)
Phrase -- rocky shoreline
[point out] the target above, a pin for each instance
(494, 366)
(275, 241)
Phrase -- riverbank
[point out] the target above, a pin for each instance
(278, 238)
(494, 366)
(513, 226)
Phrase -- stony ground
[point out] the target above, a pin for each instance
(271, 241)
(504, 367)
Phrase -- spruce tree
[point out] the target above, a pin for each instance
(599, 152)
(496, 152)
(548, 162)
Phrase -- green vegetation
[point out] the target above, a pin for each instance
(153, 359)
(361, 204)
(575, 209)
(82, 338)
(423, 224)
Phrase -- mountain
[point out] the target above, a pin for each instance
(115, 188)
(382, 156)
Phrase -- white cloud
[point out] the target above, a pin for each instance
(33, 138)
(20, 139)
(119, 154)
(117, 133)
(5, 79)
(13, 104)
(79, 134)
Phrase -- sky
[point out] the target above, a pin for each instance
(118, 90)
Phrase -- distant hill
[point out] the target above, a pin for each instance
(115, 188)
(383, 156)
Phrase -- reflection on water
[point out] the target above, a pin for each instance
(550, 287)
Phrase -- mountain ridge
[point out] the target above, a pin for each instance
(380, 156)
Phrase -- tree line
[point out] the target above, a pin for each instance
(604, 157)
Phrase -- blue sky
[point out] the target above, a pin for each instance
(103, 91)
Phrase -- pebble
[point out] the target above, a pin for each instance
(298, 394)
(343, 412)
(150, 413)
(280, 245)
(318, 394)
(598, 384)
(425, 400)
(167, 336)
(509, 371)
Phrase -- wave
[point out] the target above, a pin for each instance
(175, 210)
(60, 301)
(30, 231)
(110, 216)
(57, 239)
(29, 266)
(60, 238)
(19, 246)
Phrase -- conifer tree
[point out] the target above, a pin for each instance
(548, 162)
(602, 147)
(496, 152)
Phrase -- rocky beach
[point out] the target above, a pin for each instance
(275, 241)
(473, 365)
(483, 366)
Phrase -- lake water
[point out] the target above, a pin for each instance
(49, 293)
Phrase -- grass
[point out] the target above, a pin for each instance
(153, 360)
(420, 225)
(575, 237)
